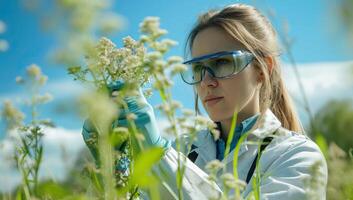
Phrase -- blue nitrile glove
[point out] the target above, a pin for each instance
(145, 122)
(145, 119)
(90, 136)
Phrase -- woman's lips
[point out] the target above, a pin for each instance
(213, 101)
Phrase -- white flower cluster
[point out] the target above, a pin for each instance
(11, 115)
(4, 45)
(230, 182)
(154, 59)
(33, 81)
(135, 63)
(35, 74)
(108, 63)
(213, 167)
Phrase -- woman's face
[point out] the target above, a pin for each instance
(221, 97)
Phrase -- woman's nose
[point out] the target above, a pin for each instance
(208, 80)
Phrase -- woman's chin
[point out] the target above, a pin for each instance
(216, 117)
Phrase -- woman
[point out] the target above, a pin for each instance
(235, 68)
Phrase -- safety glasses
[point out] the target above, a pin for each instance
(219, 65)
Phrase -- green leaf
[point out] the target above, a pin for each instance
(19, 194)
(143, 165)
(74, 69)
(53, 190)
(321, 142)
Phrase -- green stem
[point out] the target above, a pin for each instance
(256, 182)
(24, 178)
(231, 133)
(170, 115)
(230, 136)
(105, 152)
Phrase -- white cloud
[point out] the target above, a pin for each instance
(54, 165)
(322, 82)
(63, 88)
(319, 77)
(59, 88)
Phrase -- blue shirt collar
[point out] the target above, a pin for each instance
(241, 129)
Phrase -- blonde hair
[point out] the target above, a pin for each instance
(248, 26)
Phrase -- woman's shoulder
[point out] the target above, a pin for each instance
(292, 149)
(289, 140)
(293, 161)
(285, 141)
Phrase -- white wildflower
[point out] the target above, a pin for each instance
(202, 121)
(121, 130)
(144, 38)
(42, 80)
(2, 27)
(148, 92)
(230, 182)
(129, 42)
(19, 80)
(105, 46)
(214, 165)
(160, 32)
(215, 133)
(175, 105)
(181, 120)
(42, 99)
(149, 25)
(140, 137)
(12, 116)
(4, 45)
(34, 71)
(131, 116)
(169, 43)
(174, 60)
(153, 56)
(160, 64)
(178, 68)
(188, 112)
(164, 107)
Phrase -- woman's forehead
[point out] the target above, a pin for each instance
(213, 40)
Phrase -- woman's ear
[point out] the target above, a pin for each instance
(269, 61)
(269, 65)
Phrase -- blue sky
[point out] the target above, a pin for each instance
(317, 37)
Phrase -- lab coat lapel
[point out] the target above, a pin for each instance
(265, 125)
(206, 147)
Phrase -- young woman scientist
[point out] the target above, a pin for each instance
(235, 67)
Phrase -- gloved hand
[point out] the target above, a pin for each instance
(145, 122)
(145, 118)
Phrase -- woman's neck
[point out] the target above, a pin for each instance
(252, 108)
(227, 123)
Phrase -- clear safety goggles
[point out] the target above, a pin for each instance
(219, 65)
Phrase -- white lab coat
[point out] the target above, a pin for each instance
(285, 165)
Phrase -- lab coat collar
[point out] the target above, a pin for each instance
(266, 124)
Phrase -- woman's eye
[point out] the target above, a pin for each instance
(196, 68)
(221, 62)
